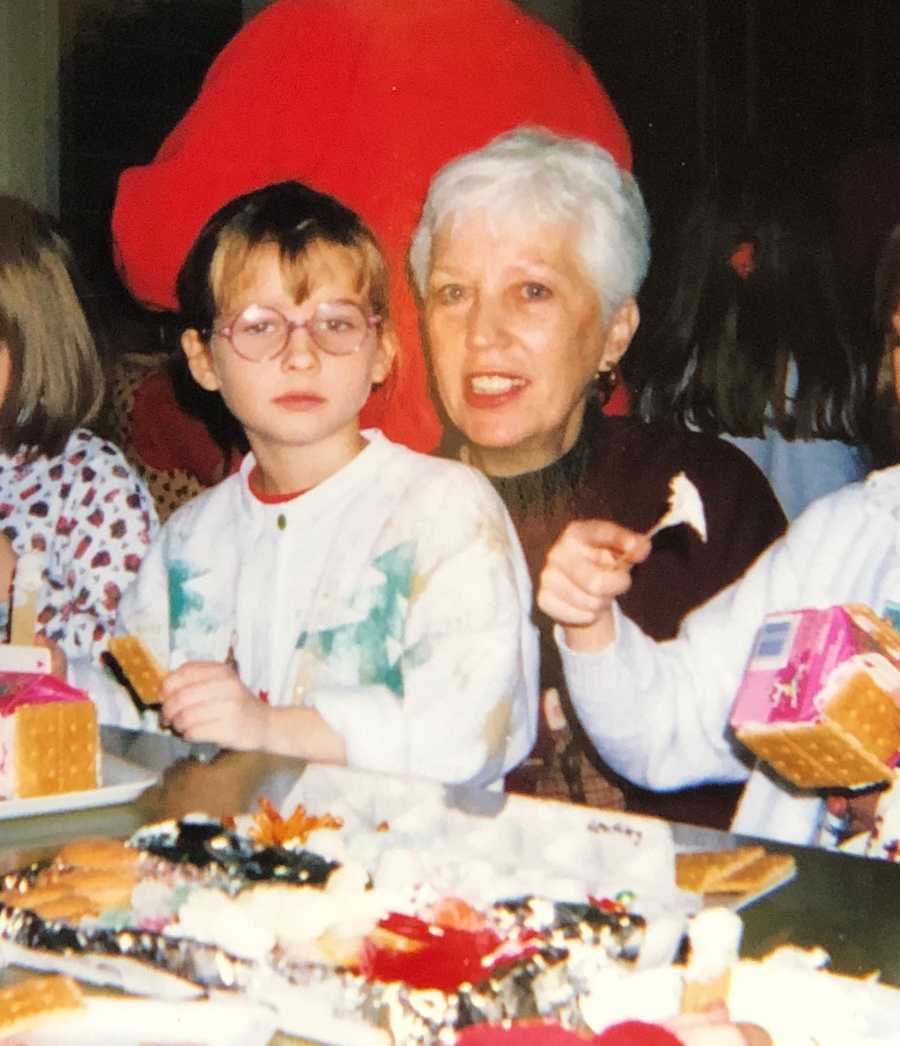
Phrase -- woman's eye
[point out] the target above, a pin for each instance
(449, 294)
(535, 291)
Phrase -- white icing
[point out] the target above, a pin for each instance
(685, 506)
(211, 917)
(881, 671)
(29, 573)
(715, 937)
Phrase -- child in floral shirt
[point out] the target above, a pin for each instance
(65, 494)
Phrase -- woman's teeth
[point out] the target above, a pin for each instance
(494, 384)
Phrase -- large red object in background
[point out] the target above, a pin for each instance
(365, 101)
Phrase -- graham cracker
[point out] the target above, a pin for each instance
(816, 755)
(882, 631)
(57, 747)
(97, 853)
(701, 872)
(30, 1002)
(141, 668)
(764, 872)
(869, 714)
(698, 996)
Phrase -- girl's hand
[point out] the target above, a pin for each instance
(587, 567)
(59, 664)
(206, 701)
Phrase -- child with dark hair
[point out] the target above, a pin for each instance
(658, 712)
(65, 494)
(886, 315)
(748, 338)
(340, 598)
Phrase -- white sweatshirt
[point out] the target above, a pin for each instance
(393, 598)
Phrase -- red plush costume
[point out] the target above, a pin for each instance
(364, 100)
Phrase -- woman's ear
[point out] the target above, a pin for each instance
(200, 362)
(385, 354)
(619, 333)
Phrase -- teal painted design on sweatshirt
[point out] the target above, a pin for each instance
(181, 602)
(376, 642)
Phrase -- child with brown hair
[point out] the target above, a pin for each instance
(340, 598)
(65, 494)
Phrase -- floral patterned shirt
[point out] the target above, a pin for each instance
(93, 519)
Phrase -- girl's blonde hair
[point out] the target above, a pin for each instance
(56, 379)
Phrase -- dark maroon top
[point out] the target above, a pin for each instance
(620, 470)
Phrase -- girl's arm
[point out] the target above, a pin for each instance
(657, 712)
(107, 522)
(206, 701)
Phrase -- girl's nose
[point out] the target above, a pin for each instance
(300, 351)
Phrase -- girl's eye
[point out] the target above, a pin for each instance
(255, 329)
(336, 325)
(535, 291)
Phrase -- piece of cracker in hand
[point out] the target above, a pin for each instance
(31, 1002)
(140, 667)
(701, 872)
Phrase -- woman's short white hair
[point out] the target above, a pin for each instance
(541, 178)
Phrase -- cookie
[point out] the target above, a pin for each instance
(141, 668)
(766, 871)
(700, 872)
(97, 853)
(31, 1002)
(57, 748)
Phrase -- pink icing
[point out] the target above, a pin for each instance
(788, 684)
(30, 688)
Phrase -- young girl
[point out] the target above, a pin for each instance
(658, 712)
(750, 340)
(64, 492)
(340, 598)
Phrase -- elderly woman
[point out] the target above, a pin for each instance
(527, 259)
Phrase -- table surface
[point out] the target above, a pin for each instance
(847, 905)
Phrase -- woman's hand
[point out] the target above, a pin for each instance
(587, 567)
(206, 701)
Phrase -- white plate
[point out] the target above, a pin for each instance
(122, 782)
(108, 1021)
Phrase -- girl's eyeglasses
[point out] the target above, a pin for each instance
(261, 332)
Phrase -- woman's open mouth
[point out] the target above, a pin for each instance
(491, 390)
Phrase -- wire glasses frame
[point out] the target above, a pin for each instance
(261, 333)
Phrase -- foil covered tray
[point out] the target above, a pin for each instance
(344, 935)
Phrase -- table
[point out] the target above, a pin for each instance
(848, 905)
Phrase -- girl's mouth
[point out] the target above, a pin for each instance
(299, 401)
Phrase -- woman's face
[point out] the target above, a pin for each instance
(516, 334)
